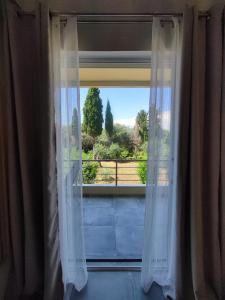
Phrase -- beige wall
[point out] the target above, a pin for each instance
(120, 6)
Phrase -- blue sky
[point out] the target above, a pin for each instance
(125, 102)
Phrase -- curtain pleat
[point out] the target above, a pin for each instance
(69, 164)
(183, 266)
(160, 213)
(222, 175)
(53, 287)
(4, 231)
(29, 216)
(201, 156)
(5, 249)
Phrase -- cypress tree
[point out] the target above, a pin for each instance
(108, 120)
(142, 125)
(93, 118)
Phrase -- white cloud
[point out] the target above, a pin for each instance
(128, 122)
(131, 121)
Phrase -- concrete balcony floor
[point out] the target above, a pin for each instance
(114, 227)
(116, 286)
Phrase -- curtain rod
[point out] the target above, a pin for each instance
(83, 15)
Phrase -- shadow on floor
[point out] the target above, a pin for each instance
(116, 285)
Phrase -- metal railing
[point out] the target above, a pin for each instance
(124, 171)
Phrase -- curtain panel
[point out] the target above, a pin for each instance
(29, 247)
(69, 164)
(201, 172)
(160, 214)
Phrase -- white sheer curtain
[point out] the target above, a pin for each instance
(160, 224)
(68, 136)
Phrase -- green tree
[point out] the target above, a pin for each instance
(103, 139)
(108, 120)
(142, 125)
(136, 138)
(87, 142)
(111, 152)
(122, 135)
(93, 118)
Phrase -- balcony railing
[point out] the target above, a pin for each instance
(124, 171)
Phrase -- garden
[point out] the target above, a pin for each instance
(115, 153)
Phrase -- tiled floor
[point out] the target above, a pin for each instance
(114, 227)
(116, 286)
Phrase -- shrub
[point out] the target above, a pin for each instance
(89, 170)
(124, 153)
(87, 142)
(87, 155)
(142, 171)
(122, 135)
(114, 151)
(100, 151)
(103, 139)
(103, 152)
(142, 168)
(144, 147)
